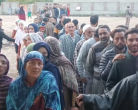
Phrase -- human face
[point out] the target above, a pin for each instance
(104, 34)
(31, 29)
(21, 26)
(29, 41)
(26, 29)
(119, 40)
(132, 42)
(3, 65)
(43, 51)
(89, 33)
(34, 68)
(71, 28)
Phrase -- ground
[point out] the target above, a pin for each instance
(9, 25)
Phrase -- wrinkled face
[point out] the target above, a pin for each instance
(119, 40)
(104, 34)
(43, 51)
(71, 28)
(29, 41)
(34, 68)
(31, 29)
(89, 33)
(3, 65)
(132, 42)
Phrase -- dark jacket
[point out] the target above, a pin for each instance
(3, 35)
(120, 70)
(124, 96)
(106, 62)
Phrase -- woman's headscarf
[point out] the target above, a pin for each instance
(30, 56)
(21, 11)
(30, 47)
(36, 29)
(35, 37)
(37, 46)
(7, 61)
(56, 56)
(4, 85)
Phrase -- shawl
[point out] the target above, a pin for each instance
(22, 97)
(36, 29)
(4, 86)
(65, 67)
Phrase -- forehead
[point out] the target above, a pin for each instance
(42, 49)
(34, 60)
(70, 24)
(119, 34)
(2, 58)
(132, 36)
(102, 30)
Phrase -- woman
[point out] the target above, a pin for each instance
(44, 48)
(33, 28)
(21, 14)
(4, 81)
(67, 72)
(35, 89)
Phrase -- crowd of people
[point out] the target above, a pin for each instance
(63, 66)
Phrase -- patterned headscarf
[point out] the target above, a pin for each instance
(31, 56)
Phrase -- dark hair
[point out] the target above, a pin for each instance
(46, 19)
(82, 25)
(66, 20)
(94, 19)
(131, 31)
(0, 19)
(115, 31)
(122, 26)
(75, 22)
(104, 26)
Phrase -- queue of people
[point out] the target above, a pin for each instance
(64, 67)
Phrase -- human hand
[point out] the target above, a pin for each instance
(79, 100)
(118, 57)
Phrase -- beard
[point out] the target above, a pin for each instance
(133, 49)
(120, 47)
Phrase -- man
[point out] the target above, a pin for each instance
(88, 32)
(69, 41)
(94, 20)
(124, 96)
(126, 66)
(128, 15)
(110, 56)
(2, 35)
(93, 59)
(81, 59)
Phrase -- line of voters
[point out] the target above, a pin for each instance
(63, 66)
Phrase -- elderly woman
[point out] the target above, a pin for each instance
(4, 81)
(44, 48)
(67, 72)
(35, 89)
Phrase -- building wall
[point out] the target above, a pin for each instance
(87, 7)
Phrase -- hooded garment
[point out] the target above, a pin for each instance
(36, 29)
(65, 67)
(4, 85)
(44, 94)
(51, 67)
